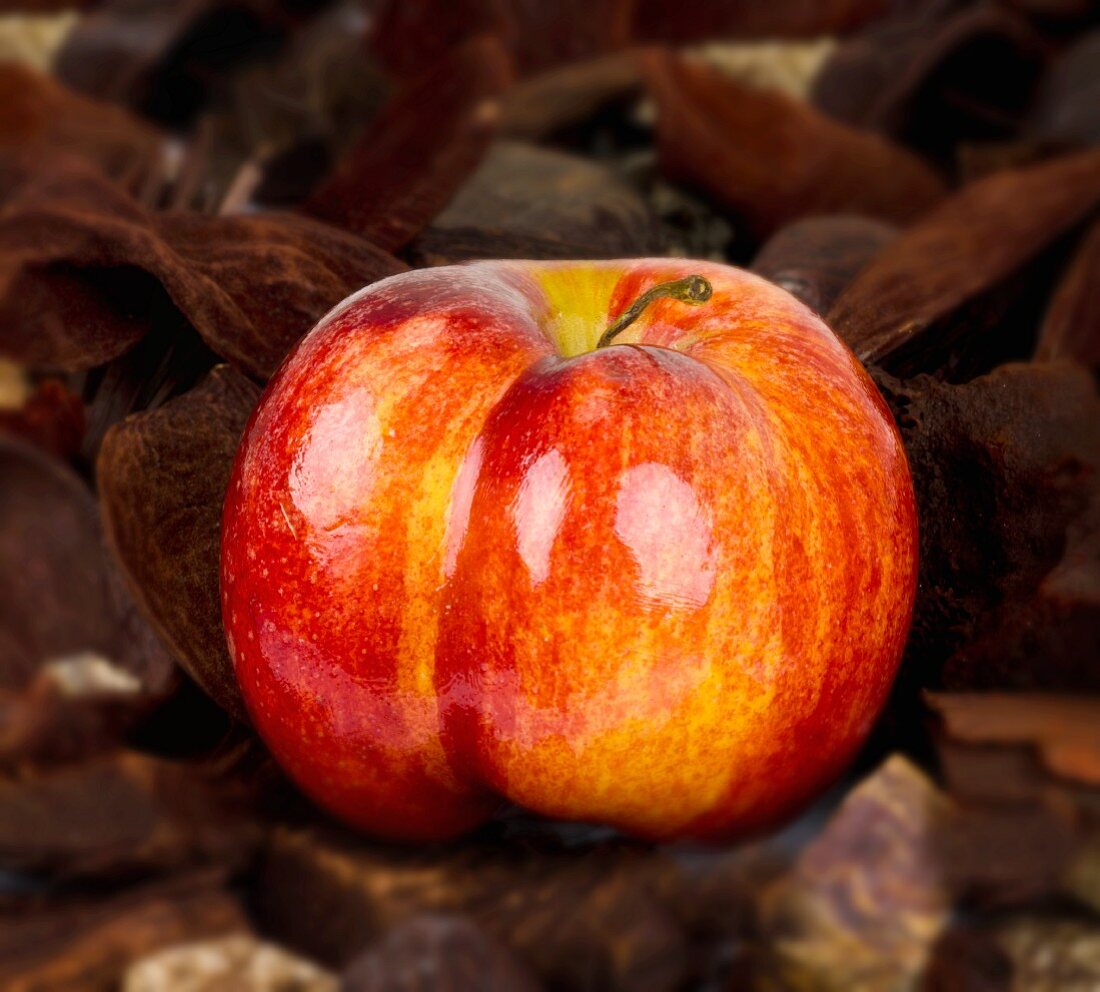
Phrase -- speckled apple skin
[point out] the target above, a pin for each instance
(662, 585)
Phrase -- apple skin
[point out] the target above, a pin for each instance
(468, 558)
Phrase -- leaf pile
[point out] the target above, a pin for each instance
(185, 188)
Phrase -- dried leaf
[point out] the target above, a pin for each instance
(410, 38)
(1064, 729)
(530, 202)
(428, 953)
(85, 271)
(1002, 467)
(537, 107)
(817, 257)
(772, 159)
(1071, 328)
(899, 311)
(580, 919)
(418, 151)
(40, 116)
(162, 477)
(231, 964)
(59, 594)
(121, 814)
(1066, 110)
(933, 83)
(867, 897)
(85, 944)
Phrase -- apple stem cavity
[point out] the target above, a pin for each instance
(691, 289)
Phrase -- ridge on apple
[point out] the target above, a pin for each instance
(630, 542)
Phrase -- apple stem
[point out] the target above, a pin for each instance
(691, 289)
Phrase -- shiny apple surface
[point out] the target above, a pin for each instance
(469, 557)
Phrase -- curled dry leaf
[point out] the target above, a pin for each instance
(120, 814)
(162, 478)
(580, 919)
(538, 107)
(903, 311)
(83, 270)
(932, 83)
(86, 943)
(59, 594)
(771, 158)
(40, 115)
(433, 952)
(530, 202)
(410, 38)
(867, 897)
(420, 148)
(1064, 729)
(1071, 328)
(817, 257)
(1022, 443)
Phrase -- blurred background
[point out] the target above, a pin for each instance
(186, 186)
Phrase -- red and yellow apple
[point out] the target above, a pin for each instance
(628, 542)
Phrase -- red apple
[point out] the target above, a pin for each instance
(528, 531)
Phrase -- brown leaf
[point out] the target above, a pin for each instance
(580, 919)
(429, 953)
(39, 114)
(530, 202)
(84, 271)
(162, 477)
(59, 595)
(118, 815)
(85, 944)
(417, 152)
(932, 83)
(867, 897)
(1064, 729)
(898, 312)
(410, 38)
(271, 277)
(815, 258)
(537, 107)
(1066, 110)
(1071, 328)
(771, 158)
(1002, 467)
